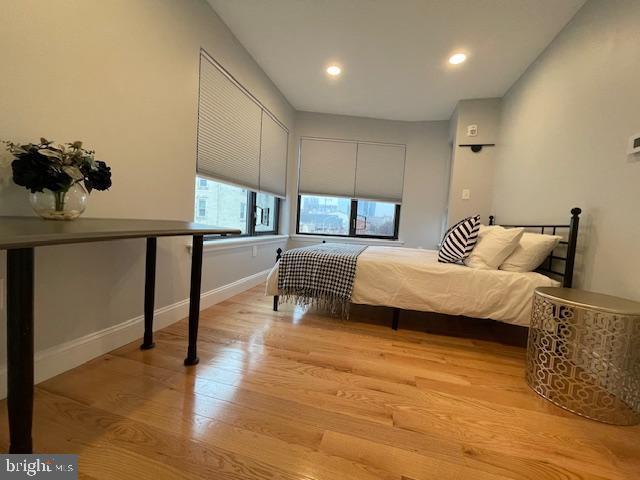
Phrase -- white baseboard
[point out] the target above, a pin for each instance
(60, 358)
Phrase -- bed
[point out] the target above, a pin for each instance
(413, 279)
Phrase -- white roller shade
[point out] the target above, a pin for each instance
(273, 157)
(327, 167)
(380, 172)
(228, 129)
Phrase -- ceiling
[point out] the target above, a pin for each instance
(393, 52)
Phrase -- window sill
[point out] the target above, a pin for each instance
(235, 243)
(361, 241)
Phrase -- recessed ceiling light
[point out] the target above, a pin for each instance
(334, 70)
(457, 58)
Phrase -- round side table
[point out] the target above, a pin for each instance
(583, 353)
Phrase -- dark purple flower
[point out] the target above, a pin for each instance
(98, 178)
(36, 172)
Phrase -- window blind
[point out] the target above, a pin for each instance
(380, 172)
(228, 129)
(352, 169)
(327, 167)
(238, 141)
(273, 157)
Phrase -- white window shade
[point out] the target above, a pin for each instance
(273, 157)
(380, 172)
(327, 167)
(229, 123)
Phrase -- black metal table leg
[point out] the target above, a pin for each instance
(396, 318)
(149, 293)
(194, 300)
(276, 298)
(20, 348)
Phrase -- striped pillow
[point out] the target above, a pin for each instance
(459, 240)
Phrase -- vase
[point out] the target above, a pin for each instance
(63, 205)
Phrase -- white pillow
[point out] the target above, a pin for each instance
(530, 252)
(494, 245)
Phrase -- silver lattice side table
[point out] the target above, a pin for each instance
(584, 353)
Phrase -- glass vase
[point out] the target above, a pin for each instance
(63, 205)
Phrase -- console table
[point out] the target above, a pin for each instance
(20, 235)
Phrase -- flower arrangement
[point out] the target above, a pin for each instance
(58, 171)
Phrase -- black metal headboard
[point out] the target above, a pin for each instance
(549, 266)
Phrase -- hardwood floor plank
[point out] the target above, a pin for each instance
(290, 455)
(480, 433)
(395, 460)
(175, 456)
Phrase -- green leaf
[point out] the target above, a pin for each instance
(73, 172)
(90, 161)
(48, 152)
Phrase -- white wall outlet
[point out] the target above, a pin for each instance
(254, 251)
(634, 144)
(472, 130)
(466, 194)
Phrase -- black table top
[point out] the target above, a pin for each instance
(25, 232)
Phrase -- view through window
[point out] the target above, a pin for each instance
(265, 212)
(324, 215)
(333, 216)
(375, 218)
(219, 204)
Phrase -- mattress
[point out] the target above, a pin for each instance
(413, 279)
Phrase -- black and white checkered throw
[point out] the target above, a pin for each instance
(319, 275)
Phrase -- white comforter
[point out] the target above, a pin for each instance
(412, 279)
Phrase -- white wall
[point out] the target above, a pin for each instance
(469, 170)
(426, 169)
(565, 127)
(122, 76)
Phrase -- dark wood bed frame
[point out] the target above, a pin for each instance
(558, 264)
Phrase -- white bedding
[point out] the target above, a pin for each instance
(412, 279)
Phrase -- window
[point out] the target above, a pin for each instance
(201, 209)
(375, 219)
(324, 215)
(239, 141)
(266, 209)
(225, 205)
(350, 188)
(221, 204)
(341, 216)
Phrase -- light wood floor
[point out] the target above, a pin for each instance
(292, 396)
